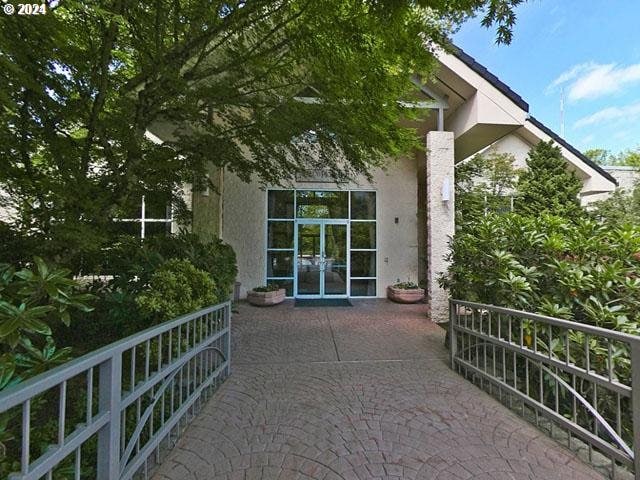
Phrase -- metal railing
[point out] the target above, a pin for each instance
(121, 408)
(570, 375)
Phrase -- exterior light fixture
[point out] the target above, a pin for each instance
(446, 189)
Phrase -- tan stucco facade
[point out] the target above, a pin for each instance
(593, 185)
(244, 218)
(627, 177)
(440, 217)
(415, 194)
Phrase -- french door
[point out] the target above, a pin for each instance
(322, 263)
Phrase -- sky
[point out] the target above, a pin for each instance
(588, 49)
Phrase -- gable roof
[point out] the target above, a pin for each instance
(557, 138)
(481, 70)
(503, 88)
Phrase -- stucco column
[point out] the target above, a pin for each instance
(440, 217)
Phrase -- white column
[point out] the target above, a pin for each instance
(440, 217)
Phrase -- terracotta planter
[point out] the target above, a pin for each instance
(402, 295)
(463, 311)
(266, 299)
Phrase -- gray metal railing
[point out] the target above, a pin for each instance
(120, 408)
(570, 375)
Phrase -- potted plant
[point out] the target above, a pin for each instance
(266, 295)
(405, 292)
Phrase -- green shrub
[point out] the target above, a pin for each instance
(583, 271)
(116, 315)
(270, 287)
(132, 264)
(176, 288)
(132, 261)
(406, 286)
(214, 257)
(34, 300)
(579, 270)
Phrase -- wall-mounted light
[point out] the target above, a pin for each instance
(446, 189)
(205, 192)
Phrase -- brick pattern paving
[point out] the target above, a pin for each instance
(356, 393)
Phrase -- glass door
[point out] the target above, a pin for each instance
(334, 258)
(309, 259)
(321, 259)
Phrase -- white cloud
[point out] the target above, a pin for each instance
(592, 80)
(610, 115)
(622, 134)
(588, 140)
(570, 74)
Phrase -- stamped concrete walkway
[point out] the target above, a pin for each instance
(356, 393)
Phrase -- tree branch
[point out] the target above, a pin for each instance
(108, 43)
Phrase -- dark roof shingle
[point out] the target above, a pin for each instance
(481, 70)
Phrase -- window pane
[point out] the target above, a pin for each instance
(363, 235)
(127, 228)
(335, 258)
(311, 204)
(280, 235)
(309, 261)
(363, 288)
(156, 205)
(363, 264)
(132, 209)
(280, 264)
(287, 284)
(280, 204)
(363, 205)
(156, 228)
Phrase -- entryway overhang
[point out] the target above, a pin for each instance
(483, 110)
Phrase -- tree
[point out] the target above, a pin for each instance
(255, 87)
(546, 186)
(484, 184)
(598, 155)
(629, 157)
(620, 208)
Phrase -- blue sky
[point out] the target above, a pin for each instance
(589, 48)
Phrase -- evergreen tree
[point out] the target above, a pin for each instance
(547, 186)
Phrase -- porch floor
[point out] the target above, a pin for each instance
(356, 393)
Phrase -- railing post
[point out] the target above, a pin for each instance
(227, 352)
(453, 342)
(110, 386)
(635, 404)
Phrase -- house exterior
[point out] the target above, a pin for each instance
(320, 239)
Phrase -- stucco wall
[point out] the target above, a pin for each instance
(519, 148)
(626, 177)
(7, 211)
(440, 217)
(206, 206)
(514, 145)
(244, 210)
(244, 223)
